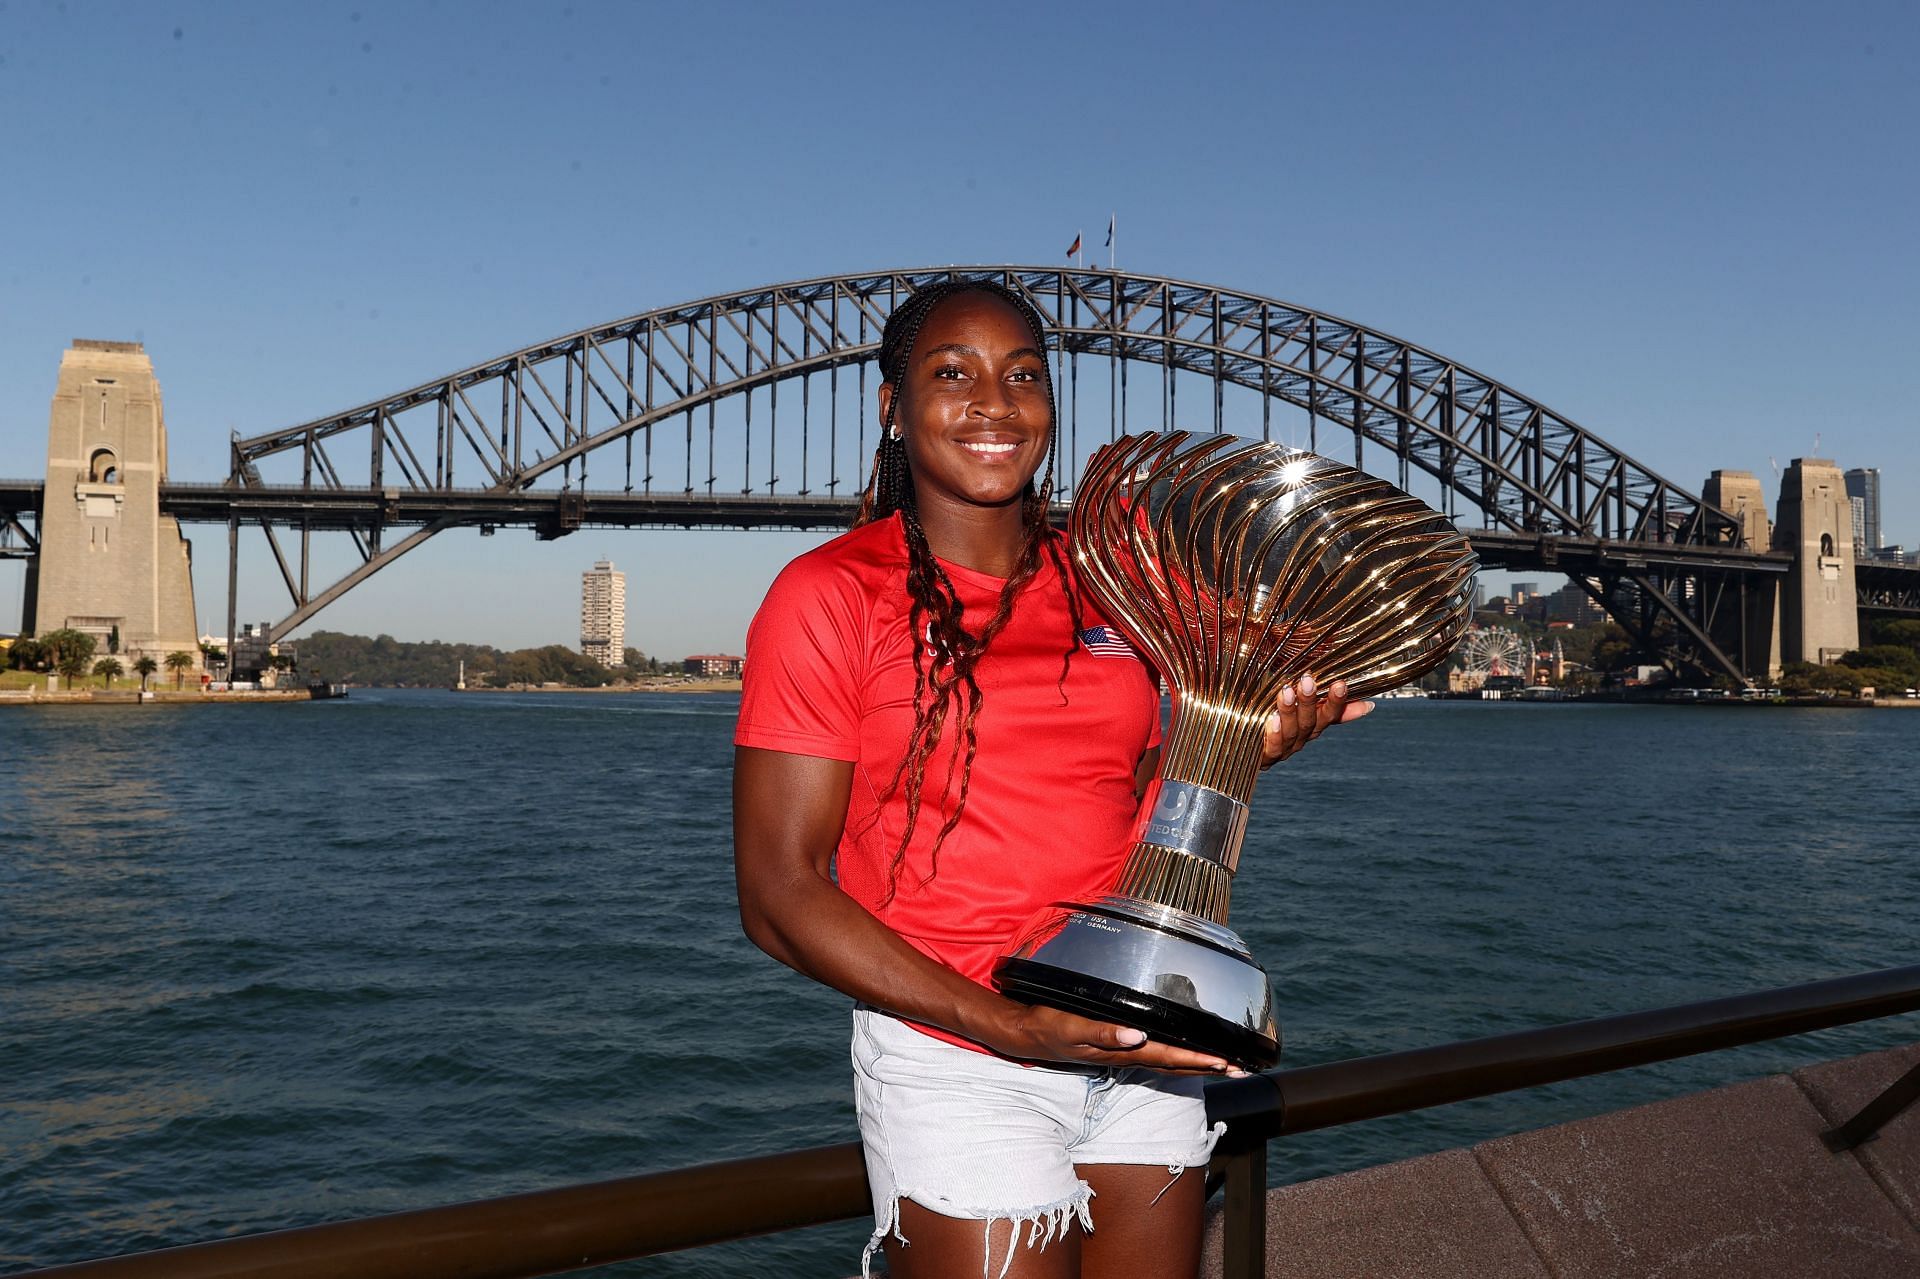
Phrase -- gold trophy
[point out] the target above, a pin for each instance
(1237, 567)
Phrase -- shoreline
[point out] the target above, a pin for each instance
(153, 697)
(195, 697)
(687, 686)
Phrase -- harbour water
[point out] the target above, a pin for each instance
(274, 965)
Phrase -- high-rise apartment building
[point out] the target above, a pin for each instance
(1863, 482)
(603, 614)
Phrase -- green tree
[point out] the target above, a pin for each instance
(27, 654)
(1810, 677)
(387, 662)
(1613, 650)
(109, 667)
(179, 662)
(68, 651)
(1894, 658)
(1904, 631)
(144, 667)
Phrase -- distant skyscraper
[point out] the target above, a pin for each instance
(1859, 505)
(603, 614)
(1863, 482)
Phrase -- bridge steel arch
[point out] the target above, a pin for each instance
(510, 441)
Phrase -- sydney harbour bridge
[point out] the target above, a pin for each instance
(754, 410)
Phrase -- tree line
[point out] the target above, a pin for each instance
(70, 653)
(1887, 663)
(385, 662)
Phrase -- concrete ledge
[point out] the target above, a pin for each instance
(1434, 1216)
(131, 697)
(1839, 1089)
(1728, 1184)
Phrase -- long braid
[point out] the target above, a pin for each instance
(935, 613)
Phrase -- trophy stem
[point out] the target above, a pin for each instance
(1193, 818)
(1215, 744)
(1180, 880)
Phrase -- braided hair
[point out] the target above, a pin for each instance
(945, 661)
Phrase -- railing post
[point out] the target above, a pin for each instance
(1253, 1108)
(1244, 1227)
(1866, 1125)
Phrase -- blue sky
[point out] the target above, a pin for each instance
(1687, 227)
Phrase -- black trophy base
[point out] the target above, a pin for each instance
(1168, 1022)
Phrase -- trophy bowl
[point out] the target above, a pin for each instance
(1237, 567)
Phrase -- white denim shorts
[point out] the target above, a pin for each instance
(967, 1134)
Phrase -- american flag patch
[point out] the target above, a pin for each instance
(1104, 641)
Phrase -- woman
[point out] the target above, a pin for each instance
(927, 753)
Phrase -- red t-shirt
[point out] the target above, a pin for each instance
(829, 673)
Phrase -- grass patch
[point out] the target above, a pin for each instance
(38, 679)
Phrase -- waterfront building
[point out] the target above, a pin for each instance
(1574, 606)
(714, 665)
(603, 614)
(1863, 482)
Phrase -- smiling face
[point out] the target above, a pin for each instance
(973, 408)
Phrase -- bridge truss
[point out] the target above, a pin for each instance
(752, 409)
(19, 502)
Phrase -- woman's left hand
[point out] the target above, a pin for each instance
(1302, 712)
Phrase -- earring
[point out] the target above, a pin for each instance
(893, 432)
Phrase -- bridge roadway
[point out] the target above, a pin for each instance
(553, 513)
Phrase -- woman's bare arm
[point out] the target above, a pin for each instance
(788, 811)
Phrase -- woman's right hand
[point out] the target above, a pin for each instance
(1037, 1033)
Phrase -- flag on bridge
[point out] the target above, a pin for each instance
(1073, 250)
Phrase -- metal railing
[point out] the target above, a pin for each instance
(577, 1227)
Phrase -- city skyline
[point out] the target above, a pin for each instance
(1597, 216)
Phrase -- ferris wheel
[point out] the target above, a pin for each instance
(1487, 651)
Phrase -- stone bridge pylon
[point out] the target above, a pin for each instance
(110, 563)
(1811, 614)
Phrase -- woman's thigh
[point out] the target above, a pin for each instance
(1147, 1224)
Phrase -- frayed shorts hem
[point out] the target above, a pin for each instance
(975, 1137)
(1043, 1224)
